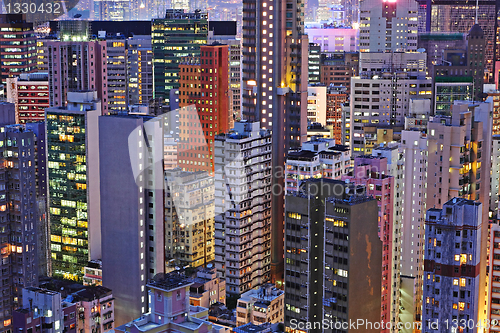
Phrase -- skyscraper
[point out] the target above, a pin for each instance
(77, 66)
(243, 207)
(452, 282)
(176, 36)
(131, 185)
(73, 174)
(30, 94)
(204, 84)
(388, 25)
(17, 46)
(18, 218)
(332, 245)
(274, 89)
(459, 165)
(139, 70)
(371, 172)
(414, 191)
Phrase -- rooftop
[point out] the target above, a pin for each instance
(170, 281)
(42, 291)
(302, 155)
(252, 328)
(90, 293)
(461, 202)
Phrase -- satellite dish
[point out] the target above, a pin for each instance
(421, 50)
(209, 266)
(77, 16)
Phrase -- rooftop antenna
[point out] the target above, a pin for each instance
(477, 8)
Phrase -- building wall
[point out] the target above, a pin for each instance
(204, 98)
(334, 39)
(17, 32)
(381, 26)
(333, 242)
(18, 218)
(414, 189)
(77, 66)
(73, 131)
(452, 263)
(165, 41)
(189, 217)
(132, 237)
(371, 172)
(243, 208)
(316, 104)
(31, 97)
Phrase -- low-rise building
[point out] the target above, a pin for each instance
(207, 288)
(95, 305)
(170, 310)
(262, 305)
(44, 311)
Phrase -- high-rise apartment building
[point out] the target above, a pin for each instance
(452, 283)
(189, 217)
(338, 68)
(116, 72)
(132, 190)
(495, 177)
(17, 46)
(332, 244)
(388, 26)
(243, 207)
(274, 89)
(381, 95)
(73, 175)
(459, 165)
(30, 94)
(205, 109)
(174, 37)
(18, 218)
(217, 34)
(331, 38)
(77, 66)
(336, 96)
(413, 191)
(41, 186)
(371, 171)
(139, 70)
